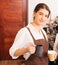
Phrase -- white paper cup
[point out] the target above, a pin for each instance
(52, 55)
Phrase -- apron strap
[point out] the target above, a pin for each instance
(43, 35)
(30, 33)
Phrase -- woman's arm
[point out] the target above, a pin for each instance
(30, 49)
(20, 45)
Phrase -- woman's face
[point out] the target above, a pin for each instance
(41, 16)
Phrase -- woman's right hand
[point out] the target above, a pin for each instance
(31, 48)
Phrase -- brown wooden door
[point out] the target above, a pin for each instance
(13, 16)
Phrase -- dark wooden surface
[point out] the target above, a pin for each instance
(22, 62)
(10, 62)
(13, 16)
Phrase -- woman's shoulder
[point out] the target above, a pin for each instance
(22, 29)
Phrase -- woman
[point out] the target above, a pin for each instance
(32, 35)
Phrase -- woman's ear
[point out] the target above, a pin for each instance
(33, 15)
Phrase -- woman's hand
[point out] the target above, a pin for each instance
(31, 49)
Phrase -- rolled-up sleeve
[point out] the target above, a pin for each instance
(19, 42)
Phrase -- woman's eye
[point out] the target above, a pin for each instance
(46, 16)
(40, 13)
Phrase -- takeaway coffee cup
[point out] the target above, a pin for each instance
(52, 55)
(39, 51)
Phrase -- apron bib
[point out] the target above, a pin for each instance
(36, 60)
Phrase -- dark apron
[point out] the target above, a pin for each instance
(35, 60)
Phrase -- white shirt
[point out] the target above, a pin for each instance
(23, 39)
(56, 42)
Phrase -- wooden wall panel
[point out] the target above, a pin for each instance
(13, 16)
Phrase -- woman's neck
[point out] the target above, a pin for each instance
(36, 26)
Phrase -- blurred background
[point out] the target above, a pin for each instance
(15, 14)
